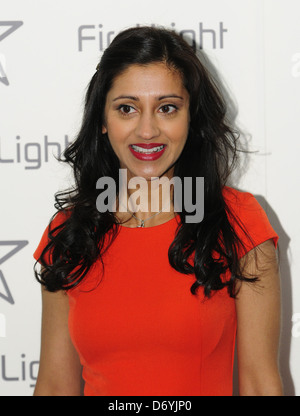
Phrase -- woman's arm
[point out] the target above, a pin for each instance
(258, 324)
(60, 368)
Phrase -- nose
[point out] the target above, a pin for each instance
(147, 127)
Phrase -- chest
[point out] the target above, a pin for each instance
(138, 301)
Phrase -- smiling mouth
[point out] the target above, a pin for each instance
(147, 150)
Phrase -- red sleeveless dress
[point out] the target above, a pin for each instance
(138, 329)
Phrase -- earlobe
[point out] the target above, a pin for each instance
(104, 130)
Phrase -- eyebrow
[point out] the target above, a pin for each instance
(134, 98)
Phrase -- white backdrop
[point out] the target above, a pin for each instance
(48, 52)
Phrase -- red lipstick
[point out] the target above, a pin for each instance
(147, 151)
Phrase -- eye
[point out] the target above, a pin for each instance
(126, 109)
(168, 109)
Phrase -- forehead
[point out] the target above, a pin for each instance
(148, 79)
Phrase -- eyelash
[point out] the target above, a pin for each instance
(122, 106)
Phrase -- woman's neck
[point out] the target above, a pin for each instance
(146, 202)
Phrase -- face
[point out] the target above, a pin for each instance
(147, 119)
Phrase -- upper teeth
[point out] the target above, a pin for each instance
(142, 150)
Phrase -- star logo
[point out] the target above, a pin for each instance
(5, 293)
(10, 27)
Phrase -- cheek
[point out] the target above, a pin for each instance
(116, 134)
(118, 130)
(118, 139)
(179, 133)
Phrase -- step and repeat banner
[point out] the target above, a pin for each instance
(49, 50)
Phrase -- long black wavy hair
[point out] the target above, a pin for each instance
(210, 152)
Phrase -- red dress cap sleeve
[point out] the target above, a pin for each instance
(248, 219)
(59, 218)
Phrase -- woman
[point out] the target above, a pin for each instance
(146, 301)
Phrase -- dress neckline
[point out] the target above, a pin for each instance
(154, 227)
